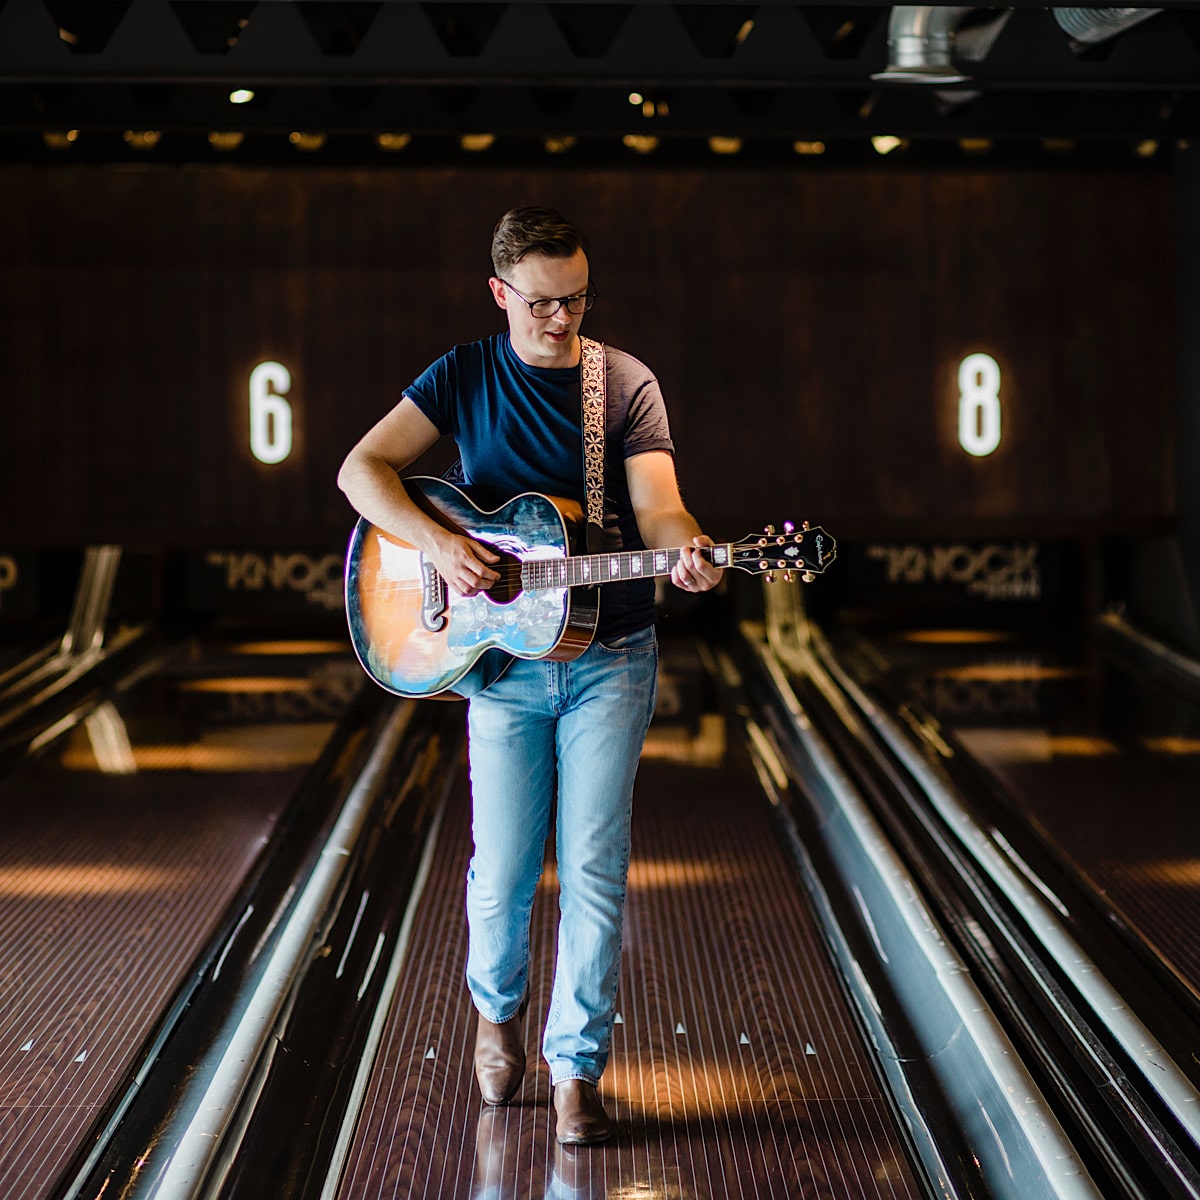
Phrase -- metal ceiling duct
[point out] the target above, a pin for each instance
(921, 44)
(1087, 26)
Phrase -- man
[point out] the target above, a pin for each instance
(571, 729)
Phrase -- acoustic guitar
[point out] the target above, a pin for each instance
(417, 638)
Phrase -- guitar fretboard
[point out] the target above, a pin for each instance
(583, 569)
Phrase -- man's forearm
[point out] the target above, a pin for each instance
(377, 493)
(670, 528)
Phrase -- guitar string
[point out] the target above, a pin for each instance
(514, 573)
(525, 572)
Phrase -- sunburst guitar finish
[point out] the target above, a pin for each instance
(416, 638)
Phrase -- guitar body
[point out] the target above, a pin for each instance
(417, 639)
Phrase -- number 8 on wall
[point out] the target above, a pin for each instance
(979, 404)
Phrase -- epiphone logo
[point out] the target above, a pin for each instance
(997, 571)
(317, 577)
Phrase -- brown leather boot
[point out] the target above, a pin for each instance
(582, 1120)
(500, 1056)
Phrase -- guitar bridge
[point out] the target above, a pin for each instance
(433, 597)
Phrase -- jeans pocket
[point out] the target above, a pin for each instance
(641, 641)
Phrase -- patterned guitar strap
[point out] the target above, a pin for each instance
(592, 379)
(495, 661)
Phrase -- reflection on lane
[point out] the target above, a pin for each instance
(265, 747)
(90, 879)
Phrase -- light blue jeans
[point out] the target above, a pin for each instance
(576, 730)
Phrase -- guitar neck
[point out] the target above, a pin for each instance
(584, 569)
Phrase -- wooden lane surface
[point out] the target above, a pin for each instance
(736, 1070)
(109, 888)
(113, 881)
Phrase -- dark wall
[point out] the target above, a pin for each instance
(806, 327)
(1157, 579)
(1188, 441)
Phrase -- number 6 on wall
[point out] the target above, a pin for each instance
(270, 413)
(979, 404)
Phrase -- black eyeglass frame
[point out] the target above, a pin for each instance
(588, 297)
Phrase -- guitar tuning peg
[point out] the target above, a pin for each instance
(788, 527)
(805, 525)
(788, 577)
(770, 529)
(770, 576)
(808, 577)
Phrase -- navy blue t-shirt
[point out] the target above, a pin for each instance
(518, 429)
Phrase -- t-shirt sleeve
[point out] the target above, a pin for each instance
(434, 392)
(645, 426)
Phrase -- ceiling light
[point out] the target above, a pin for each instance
(640, 143)
(809, 147)
(476, 143)
(886, 143)
(649, 105)
(225, 141)
(393, 142)
(725, 145)
(241, 96)
(1146, 148)
(975, 145)
(142, 139)
(558, 145)
(60, 139)
(307, 142)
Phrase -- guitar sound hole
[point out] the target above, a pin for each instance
(508, 587)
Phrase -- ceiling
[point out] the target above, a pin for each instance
(389, 80)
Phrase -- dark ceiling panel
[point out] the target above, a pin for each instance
(214, 27)
(464, 29)
(842, 32)
(358, 69)
(337, 28)
(85, 26)
(717, 30)
(589, 29)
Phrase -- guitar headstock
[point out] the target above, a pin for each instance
(806, 551)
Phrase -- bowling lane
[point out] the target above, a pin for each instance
(1095, 754)
(738, 1068)
(126, 838)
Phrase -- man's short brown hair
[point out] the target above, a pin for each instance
(534, 230)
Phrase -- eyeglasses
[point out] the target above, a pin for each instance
(547, 308)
